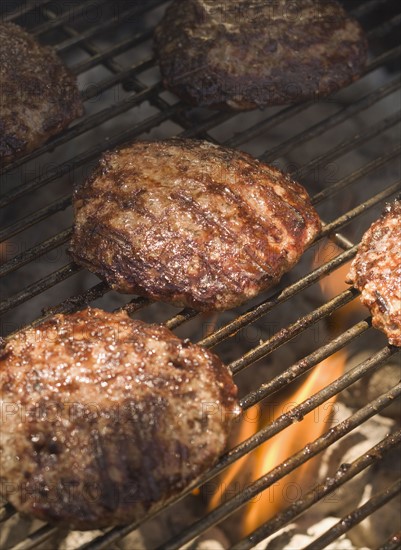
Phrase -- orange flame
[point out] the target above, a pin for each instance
(285, 444)
(279, 448)
(291, 440)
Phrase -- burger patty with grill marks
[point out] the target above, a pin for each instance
(376, 272)
(104, 418)
(38, 94)
(247, 54)
(191, 223)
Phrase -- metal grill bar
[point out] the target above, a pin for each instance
(174, 112)
(393, 543)
(6, 512)
(66, 16)
(351, 214)
(35, 252)
(333, 120)
(304, 365)
(356, 517)
(110, 63)
(352, 178)
(29, 6)
(287, 334)
(115, 50)
(38, 537)
(350, 144)
(386, 27)
(123, 76)
(93, 153)
(106, 26)
(367, 7)
(36, 217)
(44, 247)
(296, 460)
(295, 414)
(279, 297)
(39, 286)
(320, 491)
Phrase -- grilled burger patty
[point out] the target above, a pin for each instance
(376, 272)
(191, 223)
(38, 95)
(105, 418)
(248, 54)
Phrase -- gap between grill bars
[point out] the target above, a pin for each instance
(138, 92)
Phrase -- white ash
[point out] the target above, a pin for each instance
(379, 526)
(293, 536)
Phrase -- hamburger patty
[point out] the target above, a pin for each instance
(191, 223)
(376, 272)
(38, 95)
(105, 418)
(248, 54)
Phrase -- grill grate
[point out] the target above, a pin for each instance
(117, 44)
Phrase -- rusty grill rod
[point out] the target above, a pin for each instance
(106, 25)
(319, 491)
(116, 68)
(349, 144)
(333, 120)
(38, 537)
(367, 7)
(288, 333)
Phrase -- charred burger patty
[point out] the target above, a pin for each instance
(191, 223)
(376, 272)
(247, 54)
(105, 418)
(39, 96)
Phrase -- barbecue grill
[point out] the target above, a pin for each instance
(344, 149)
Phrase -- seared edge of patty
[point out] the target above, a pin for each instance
(376, 272)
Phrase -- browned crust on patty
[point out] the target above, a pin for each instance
(376, 272)
(38, 94)
(105, 418)
(191, 223)
(248, 54)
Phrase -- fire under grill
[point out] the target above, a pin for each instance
(344, 149)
